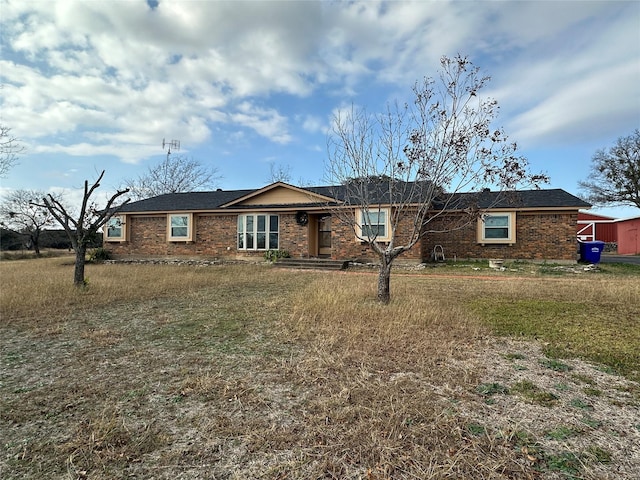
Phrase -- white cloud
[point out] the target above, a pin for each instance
(578, 109)
(584, 90)
(314, 124)
(85, 78)
(267, 123)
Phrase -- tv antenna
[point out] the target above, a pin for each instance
(175, 144)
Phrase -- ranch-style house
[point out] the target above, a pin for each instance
(241, 224)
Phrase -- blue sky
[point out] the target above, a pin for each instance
(95, 85)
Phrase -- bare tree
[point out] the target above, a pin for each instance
(279, 173)
(20, 214)
(175, 174)
(413, 161)
(81, 229)
(615, 174)
(10, 149)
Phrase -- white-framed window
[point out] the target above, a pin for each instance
(115, 229)
(373, 223)
(258, 231)
(498, 227)
(180, 227)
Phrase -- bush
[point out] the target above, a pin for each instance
(10, 240)
(274, 255)
(99, 255)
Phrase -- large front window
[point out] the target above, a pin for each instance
(258, 232)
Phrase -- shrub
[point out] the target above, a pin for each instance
(274, 255)
(99, 255)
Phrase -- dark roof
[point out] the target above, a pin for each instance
(552, 198)
(185, 201)
(376, 191)
(194, 201)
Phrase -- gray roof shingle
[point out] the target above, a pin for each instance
(189, 201)
(214, 200)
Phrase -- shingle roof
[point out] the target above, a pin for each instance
(551, 198)
(185, 201)
(214, 200)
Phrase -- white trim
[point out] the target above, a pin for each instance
(267, 232)
(123, 229)
(511, 229)
(585, 237)
(387, 224)
(180, 238)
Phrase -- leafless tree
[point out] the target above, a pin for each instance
(10, 149)
(615, 174)
(81, 229)
(417, 159)
(279, 173)
(175, 174)
(20, 214)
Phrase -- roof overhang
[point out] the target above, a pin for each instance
(296, 195)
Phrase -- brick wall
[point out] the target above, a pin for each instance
(345, 245)
(539, 236)
(215, 236)
(294, 238)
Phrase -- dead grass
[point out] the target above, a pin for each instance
(47, 284)
(242, 372)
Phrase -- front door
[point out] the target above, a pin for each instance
(324, 236)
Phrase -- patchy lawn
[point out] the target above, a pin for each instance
(252, 372)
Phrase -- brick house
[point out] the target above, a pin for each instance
(241, 224)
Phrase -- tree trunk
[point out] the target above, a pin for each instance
(35, 240)
(384, 280)
(78, 274)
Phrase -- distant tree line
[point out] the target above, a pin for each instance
(58, 239)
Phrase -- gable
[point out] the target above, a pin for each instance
(279, 194)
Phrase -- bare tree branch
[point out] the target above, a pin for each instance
(279, 173)
(10, 149)
(615, 174)
(417, 159)
(175, 174)
(90, 219)
(20, 214)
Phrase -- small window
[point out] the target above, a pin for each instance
(115, 229)
(258, 232)
(179, 227)
(374, 224)
(497, 228)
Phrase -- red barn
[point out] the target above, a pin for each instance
(596, 227)
(628, 235)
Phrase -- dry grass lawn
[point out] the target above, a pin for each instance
(252, 372)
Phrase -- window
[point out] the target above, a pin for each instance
(179, 227)
(115, 230)
(374, 224)
(258, 232)
(497, 228)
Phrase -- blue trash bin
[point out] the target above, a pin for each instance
(590, 251)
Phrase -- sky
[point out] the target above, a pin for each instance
(98, 85)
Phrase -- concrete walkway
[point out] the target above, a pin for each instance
(610, 258)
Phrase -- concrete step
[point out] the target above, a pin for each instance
(312, 263)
